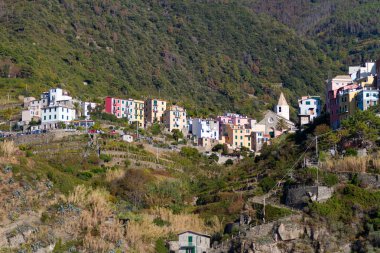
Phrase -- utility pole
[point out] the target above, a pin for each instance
(264, 210)
(137, 129)
(317, 155)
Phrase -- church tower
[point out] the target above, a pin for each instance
(282, 107)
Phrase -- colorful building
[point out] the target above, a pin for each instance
(175, 118)
(332, 104)
(366, 98)
(154, 110)
(132, 110)
(347, 101)
(249, 135)
(309, 108)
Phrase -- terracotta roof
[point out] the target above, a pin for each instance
(282, 100)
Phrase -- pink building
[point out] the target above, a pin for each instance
(231, 119)
(332, 104)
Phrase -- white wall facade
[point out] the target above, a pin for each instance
(57, 113)
(188, 240)
(283, 111)
(205, 128)
(310, 106)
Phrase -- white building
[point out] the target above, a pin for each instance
(54, 106)
(58, 94)
(87, 107)
(282, 107)
(309, 109)
(57, 113)
(359, 72)
(205, 128)
(191, 242)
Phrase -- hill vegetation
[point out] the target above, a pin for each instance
(211, 56)
(346, 30)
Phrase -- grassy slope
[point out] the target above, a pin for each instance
(207, 54)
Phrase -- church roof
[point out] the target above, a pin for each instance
(282, 100)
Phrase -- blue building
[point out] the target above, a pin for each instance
(366, 98)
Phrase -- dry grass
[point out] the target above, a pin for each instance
(142, 235)
(115, 175)
(100, 228)
(101, 232)
(7, 148)
(353, 164)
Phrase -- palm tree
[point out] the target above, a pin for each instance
(281, 125)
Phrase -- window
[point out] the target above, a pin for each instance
(367, 95)
(55, 116)
(307, 103)
(44, 117)
(62, 117)
(49, 116)
(279, 109)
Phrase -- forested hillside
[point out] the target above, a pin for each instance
(210, 56)
(347, 31)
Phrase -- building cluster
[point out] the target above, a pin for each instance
(233, 130)
(346, 94)
(55, 107)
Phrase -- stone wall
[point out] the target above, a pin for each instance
(298, 197)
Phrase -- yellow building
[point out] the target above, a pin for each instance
(139, 112)
(175, 118)
(347, 103)
(367, 81)
(238, 136)
(154, 110)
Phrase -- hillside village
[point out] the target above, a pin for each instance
(189, 126)
(121, 132)
(345, 94)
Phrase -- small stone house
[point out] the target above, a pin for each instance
(190, 242)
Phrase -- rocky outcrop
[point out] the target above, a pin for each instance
(290, 231)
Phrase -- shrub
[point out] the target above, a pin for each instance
(351, 152)
(86, 175)
(217, 147)
(189, 152)
(160, 246)
(330, 179)
(155, 129)
(160, 222)
(213, 157)
(106, 158)
(229, 162)
(267, 184)
(127, 163)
